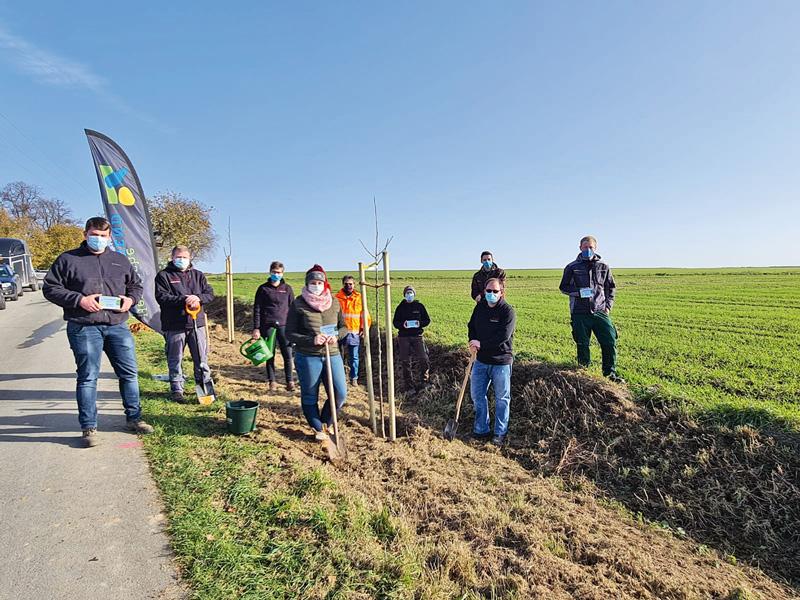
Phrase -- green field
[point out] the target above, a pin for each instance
(722, 342)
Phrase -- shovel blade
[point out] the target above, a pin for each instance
(205, 392)
(331, 449)
(450, 430)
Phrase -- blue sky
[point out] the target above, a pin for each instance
(671, 131)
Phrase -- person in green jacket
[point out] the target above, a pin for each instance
(314, 321)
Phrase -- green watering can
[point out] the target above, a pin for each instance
(259, 351)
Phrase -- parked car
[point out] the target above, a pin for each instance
(2, 301)
(12, 286)
(14, 253)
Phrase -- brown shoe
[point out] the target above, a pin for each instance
(291, 386)
(273, 386)
(139, 426)
(90, 438)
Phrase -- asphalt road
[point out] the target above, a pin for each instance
(76, 523)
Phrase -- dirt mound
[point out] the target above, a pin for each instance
(487, 526)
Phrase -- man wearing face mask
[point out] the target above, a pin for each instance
(491, 337)
(489, 270)
(591, 289)
(270, 308)
(350, 301)
(96, 287)
(410, 319)
(177, 286)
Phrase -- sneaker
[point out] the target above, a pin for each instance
(139, 426)
(613, 377)
(498, 440)
(273, 386)
(354, 382)
(320, 436)
(290, 387)
(90, 438)
(176, 396)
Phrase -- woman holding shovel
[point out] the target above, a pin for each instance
(315, 324)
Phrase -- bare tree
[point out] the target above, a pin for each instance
(53, 212)
(21, 199)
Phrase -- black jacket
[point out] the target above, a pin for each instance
(272, 305)
(410, 311)
(172, 288)
(588, 273)
(493, 327)
(480, 278)
(80, 272)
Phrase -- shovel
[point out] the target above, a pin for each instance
(452, 425)
(336, 447)
(204, 389)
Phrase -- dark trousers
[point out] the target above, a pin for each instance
(413, 347)
(605, 332)
(286, 351)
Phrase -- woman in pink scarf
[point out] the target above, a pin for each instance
(314, 321)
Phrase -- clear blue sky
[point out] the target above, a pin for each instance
(670, 131)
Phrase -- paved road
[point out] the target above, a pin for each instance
(76, 523)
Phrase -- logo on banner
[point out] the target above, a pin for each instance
(117, 193)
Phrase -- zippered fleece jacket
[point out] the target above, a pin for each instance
(480, 278)
(410, 311)
(493, 327)
(303, 323)
(80, 272)
(172, 287)
(271, 305)
(588, 273)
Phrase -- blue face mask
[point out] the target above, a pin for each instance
(97, 242)
(410, 297)
(488, 264)
(492, 298)
(588, 253)
(181, 263)
(275, 277)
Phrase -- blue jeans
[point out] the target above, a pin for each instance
(500, 377)
(88, 342)
(352, 358)
(311, 372)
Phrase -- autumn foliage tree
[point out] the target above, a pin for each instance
(181, 221)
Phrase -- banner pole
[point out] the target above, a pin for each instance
(389, 346)
(367, 353)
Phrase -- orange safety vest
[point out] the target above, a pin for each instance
(351, 307)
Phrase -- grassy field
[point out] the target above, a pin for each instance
(722, 342)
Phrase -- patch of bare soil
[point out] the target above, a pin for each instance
(512, 522)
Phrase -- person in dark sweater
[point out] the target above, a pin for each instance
(80, 281)
(591, 288)
(411, 319)
(488, 270)
(491, 336)
(270, 308)
(177, 286)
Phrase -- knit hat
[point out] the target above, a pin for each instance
(317, 273)
(409, 287)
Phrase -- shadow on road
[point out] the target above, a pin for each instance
(45, 427)
(42, 333)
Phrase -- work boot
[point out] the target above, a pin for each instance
(290, 387)
(273, 386)
(90, 438)
(479, 437)
(176, 397)
(139, 426)
(498, 440)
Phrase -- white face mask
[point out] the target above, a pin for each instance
(316, 288)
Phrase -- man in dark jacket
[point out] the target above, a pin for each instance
(411, 319)
(489, 270)
(591, 289)
(270, 309)
(491, 335)
(178, 286)
(96, 287)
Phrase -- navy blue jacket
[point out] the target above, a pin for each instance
(493, 327)
(588, 273)
(272, 305)
(172, 288)
(80, 272)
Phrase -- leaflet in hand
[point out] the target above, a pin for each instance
(110, 302)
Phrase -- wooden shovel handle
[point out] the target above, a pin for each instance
(464, 383)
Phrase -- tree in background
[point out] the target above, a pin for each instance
(181, 221)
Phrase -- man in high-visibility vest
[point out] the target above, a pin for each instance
(350, 301)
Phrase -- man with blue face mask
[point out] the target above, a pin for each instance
(177, 286)
(96, 287)
(489, 270)
(591, 289)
